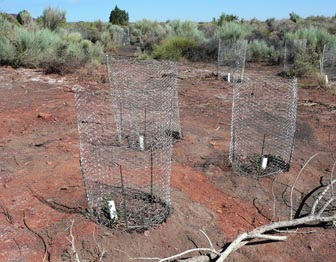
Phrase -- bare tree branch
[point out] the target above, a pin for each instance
(293, 186)
(72, 242)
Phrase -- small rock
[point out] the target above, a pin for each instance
(146, 233)
(76, 155)
(49, 163)
(44, 115)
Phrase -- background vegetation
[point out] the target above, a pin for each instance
(57, 46)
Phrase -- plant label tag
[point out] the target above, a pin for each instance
(326, 79)
(264, 162)
(229, 77)
(142, 142)
(113, 210)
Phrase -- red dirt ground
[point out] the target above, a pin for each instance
(41, 189)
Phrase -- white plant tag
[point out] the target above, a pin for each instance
(264, 162)
(113, 210)
(326, 79)
(229, 77)
(142, 142)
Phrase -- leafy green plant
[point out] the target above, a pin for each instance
(172, 48)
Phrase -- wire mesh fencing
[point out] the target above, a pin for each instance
(294, 49)
(231, 59)
(129, 92)
(126, 144)
(328, 62)
(263, 125)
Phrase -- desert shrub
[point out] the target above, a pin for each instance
(26, 49)
(5, 27)
(172, 48)
(7, 51)
(116, 33)
(259, 50)
(24, 17)
(316, 37)
(223, 18)
(233, 31)
(206, 51)
(74, 37)
(66, 58)
(306, 63)
(187, 29)
(53, 18)
(294, 17)
(147, 33)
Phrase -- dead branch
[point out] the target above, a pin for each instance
(8, 216)
(271, 231)
(293, 186)
(72, 242)
(102, 252)
(46, 254)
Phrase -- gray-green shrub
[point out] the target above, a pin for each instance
(259, 50)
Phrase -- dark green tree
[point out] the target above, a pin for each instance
(24, 18)
(294, 17)
(118, 16)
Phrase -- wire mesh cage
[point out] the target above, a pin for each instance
(231, 59)
(294, 48)
(122, 89)
(126, 144)
(328, 62)
(121, 36)
(263, 125)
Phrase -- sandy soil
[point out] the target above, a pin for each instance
(42, 194)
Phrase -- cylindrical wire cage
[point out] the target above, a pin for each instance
(263, 125)
(328, 62)
(231, 59)
(126, 144)
(129, 67)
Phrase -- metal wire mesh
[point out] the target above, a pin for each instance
(263, 125)
(231, 59)
(328, 63)
(126, 144)
(124, 89)
(121, 37)
(293, 48)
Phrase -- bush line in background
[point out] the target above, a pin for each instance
(56, 46)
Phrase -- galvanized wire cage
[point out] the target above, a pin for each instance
(138, 91)
(263, 125)
(126, 144)
(231, 59)
(294, 48)
(328, 62)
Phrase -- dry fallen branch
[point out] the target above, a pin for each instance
(72, 242)
(273, 231)
(102, 252)
(46, 254)
(8, 216)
